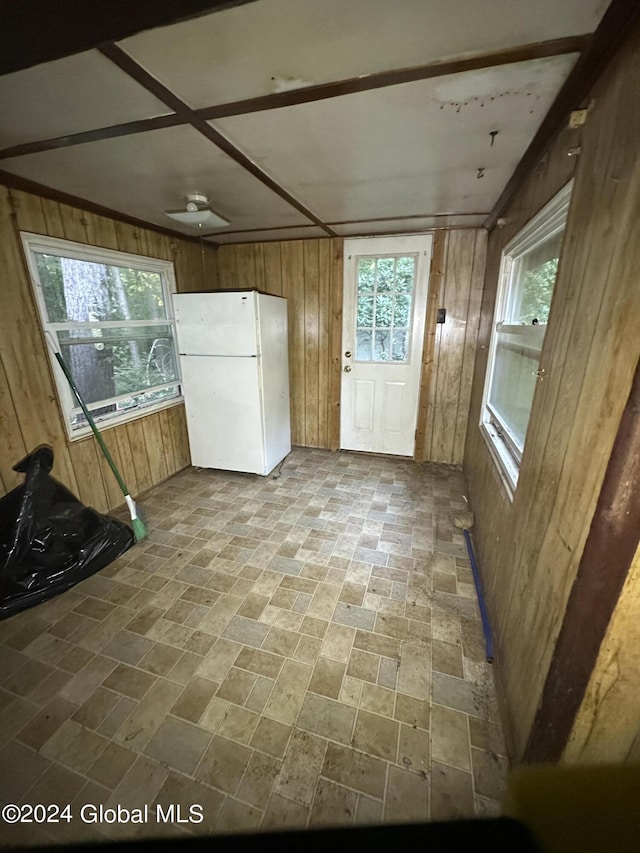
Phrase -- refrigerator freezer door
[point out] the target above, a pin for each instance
(216, 323)
(224, 413)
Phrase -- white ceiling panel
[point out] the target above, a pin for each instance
(267, 45)
(70, 95)
(274, 234)
(148, 173)
(413, 149)
(409, 226)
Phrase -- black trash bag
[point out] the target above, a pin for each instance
(49, 541)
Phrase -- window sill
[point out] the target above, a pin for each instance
(124, 418)
(507, 469)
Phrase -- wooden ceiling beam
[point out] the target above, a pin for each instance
(396, 76)
(188, 116)
(128, 129)
(523, 53)
(616, 23)
(332, 224)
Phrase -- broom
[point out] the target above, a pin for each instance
(140, 531)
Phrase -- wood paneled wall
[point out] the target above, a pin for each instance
(146, 450)
(529, 549)
(456, 281)
(309, 273)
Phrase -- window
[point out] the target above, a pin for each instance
(527, 277)
(383, 315)
(110, 316)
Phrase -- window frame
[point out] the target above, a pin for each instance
(550, 220)
(38, 243)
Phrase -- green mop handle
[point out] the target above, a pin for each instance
(87, 415)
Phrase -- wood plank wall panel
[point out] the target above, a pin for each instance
(529, 549)
(24, 360)
(311, 341)
(309, 274)
(323, 332)
(456, 280)
(424, 431)
(468, 355)
(155, 448)
(149, 449)
(195, 266)
(179, 437)
(272, 265)
(141, 462)
(121, 438)
(293, 289)
(111, 487)
(168, 450)
(11, 436)
(86, 463)
(336, 289)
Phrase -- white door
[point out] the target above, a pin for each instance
(385, 299)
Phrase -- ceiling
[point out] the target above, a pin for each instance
(300, 118)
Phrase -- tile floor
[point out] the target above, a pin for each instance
(288, 652)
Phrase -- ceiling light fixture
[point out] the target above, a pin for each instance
(197, 213)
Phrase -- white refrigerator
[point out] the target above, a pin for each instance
(235, 378)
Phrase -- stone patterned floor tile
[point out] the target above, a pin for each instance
(288, 653)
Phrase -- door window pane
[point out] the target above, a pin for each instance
(404, 274)
(384, 310)
(363, 344)
(366, 275)
(386, 268)
(382, 345)
(400, 344)
(385, 288)
(401, 315)
(365, 312)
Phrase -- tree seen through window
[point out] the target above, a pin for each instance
(113, 330)
(383, 316)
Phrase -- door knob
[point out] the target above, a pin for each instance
(347, 354)
(347, 368)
